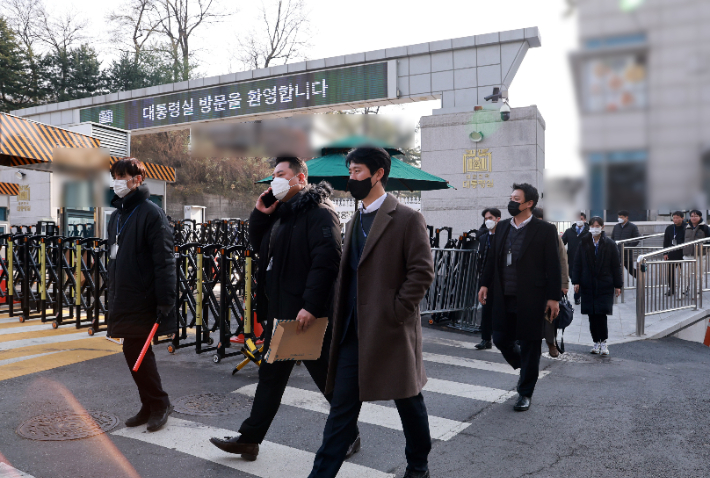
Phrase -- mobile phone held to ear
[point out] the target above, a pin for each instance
(268, 199)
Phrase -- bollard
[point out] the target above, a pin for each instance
(43, 279)
(198, 306)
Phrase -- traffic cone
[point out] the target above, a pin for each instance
(707, 335)
(258, 330)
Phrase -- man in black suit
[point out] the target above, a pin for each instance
(674, 235)
(572, 238)
(492, 217)
(523, 274)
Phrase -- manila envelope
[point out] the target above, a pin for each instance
(286, 345)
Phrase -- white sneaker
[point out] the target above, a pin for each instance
(597, 348)
(604, 349)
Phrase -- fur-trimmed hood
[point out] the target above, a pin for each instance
(308, 198)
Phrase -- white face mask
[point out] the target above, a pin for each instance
(280, 187)
(490, 224)
(596, 231)
(621, 221)
(120, 187)
(580, 223)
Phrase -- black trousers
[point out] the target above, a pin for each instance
(577, 295)
(629, 263)
(598, 327)
(487, 320)
(520, 354)
(341, 427)
(273, 379)
(147, 378)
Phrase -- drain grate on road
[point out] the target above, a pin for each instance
(63, 426)
(210, 404)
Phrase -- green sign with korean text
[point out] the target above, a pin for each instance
(283, 93)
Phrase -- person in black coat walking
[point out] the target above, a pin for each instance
(299, 246)
(673, 236)
(141, 285)
(492, 216)
(523, 273)
(597, 276)
(623, 230)
(572, 238)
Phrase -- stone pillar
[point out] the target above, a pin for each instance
(482, 173)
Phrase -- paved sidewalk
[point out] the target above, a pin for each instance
(622, 324)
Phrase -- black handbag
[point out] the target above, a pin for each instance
(563, 320)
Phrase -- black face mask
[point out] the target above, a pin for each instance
(514, 208)
(359, 188)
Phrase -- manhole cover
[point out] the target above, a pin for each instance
(67, 426)
(210, 404)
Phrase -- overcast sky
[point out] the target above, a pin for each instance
(341, 27)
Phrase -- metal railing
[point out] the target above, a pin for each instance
(629, 254)
(670, 285)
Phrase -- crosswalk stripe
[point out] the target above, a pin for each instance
(473, 363)
(49, 332)
(465, 390)
(458, 343)
(6, 471)
(20, 328)
(28, 357)
(58, 359)
(373, 414)
(470, 363)
(276, 460)
(47, 339)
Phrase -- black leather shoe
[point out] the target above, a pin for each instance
(158, 419)
(416, 474)
(522, 404)
(485, 344)
(354, 447)
(249, 451)
(140, 419)
(577, 301)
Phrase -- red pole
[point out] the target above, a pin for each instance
(145, 347)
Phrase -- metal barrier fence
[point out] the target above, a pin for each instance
(628, 255)
(670, 285)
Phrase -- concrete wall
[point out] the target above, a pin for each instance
(217, 207)
(34, 203)
(517, 154)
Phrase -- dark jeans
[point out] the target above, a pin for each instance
(341, 427)
(520, 354)
(598, 327)
(147, 378)
(672, 268)
(273, 379)
(487, 320)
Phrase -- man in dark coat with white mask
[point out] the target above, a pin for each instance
(141, 285)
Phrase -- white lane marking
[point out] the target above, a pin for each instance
(52, 339)
(274, 460)
(6, 471)
(465, 390)
(388, 417)
(10, 320)
(29, 328)
(458, 343)
(473, 363)
(28, 357)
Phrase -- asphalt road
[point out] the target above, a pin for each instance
(643, 412)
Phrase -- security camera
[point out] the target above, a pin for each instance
(505, 112)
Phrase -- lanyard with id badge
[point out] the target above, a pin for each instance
(509, 254)
(114, 246)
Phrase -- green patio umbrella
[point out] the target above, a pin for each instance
(403, 177)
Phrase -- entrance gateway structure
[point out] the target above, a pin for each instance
(460, 72)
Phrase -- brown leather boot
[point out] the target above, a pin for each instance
(553, 350)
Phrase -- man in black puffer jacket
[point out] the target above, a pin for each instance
(299, 246)
(141, 285)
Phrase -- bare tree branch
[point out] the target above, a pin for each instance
(138, 20)
(281, 37)
(177, 23)
(61, 31)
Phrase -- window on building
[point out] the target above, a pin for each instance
(158, 200)
(3, 214)
(617, 181)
